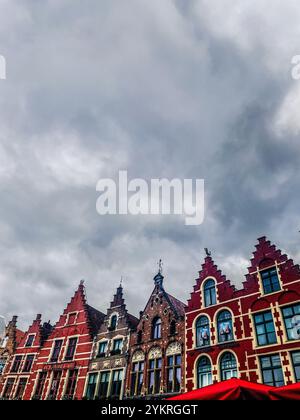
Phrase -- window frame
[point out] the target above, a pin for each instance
(71, 384)
(103, 353)
(209, 293)
(91, 387)
(174, 368)
(295, 365)
(231, 335)
(271, 369)
(28, 343)
(42, 378)
(290, 317)
(269, 279)
(137, 378)
(224, 370)
(208, 373)
(16, 365)
(107, 374)
(198, 328)
(156, 333)
(266, 333)
(71, 349)
(21, 387)
(26, 369)
(155, 374)
(116, 385)
(54, 349)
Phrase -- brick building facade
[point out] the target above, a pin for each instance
(17, 373)
(156, 355)
(62, 364)
(107, 369)
(249, 333)
(9, 343)
(252, 333)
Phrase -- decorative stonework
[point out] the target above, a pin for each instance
(174, 348)
(155, 353)
(138, 356)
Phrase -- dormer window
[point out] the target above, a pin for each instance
(30, 340)
(210, 296)
(113, 323)
(270, 281)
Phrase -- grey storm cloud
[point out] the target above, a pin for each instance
(185, 89)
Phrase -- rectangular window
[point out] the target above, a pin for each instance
(8, 388)
(272, 370)
(16, 365)
(28, 363)
(56, 350)
(296, 365)
(116, 384)
(270, 281)
(40, 385)
(104, 385)
(154, 376)
(30, 340)
(71, 385)
(291, 315)
(265, 329)
(137, 378)
(117, 346)
(173, 374)
(71, 349)
(102, 349)
(91, 387)
(55, 385)
(21, 388)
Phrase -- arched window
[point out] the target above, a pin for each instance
(202, 332)
(156, 329)
(173, 327)
(210, 296)
(204, 372)
(113, 323)
(225, 327)
(228, 366)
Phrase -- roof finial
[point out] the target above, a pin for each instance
(207, 252)
(121, 282)
(81, 282)
(160, 266)
(159, 278)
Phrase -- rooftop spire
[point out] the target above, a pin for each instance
(118, 297)
(159, 278)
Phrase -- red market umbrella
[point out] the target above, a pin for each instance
(290, 392)
(233, 389)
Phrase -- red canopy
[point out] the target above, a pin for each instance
(233, 389)
(290, 392)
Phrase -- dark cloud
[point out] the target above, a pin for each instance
(181, 89)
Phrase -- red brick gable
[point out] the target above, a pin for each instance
(41, 331)
(79, 315)
(224, 287)
(267, 255)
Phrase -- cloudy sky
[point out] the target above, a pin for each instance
(172, 88)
